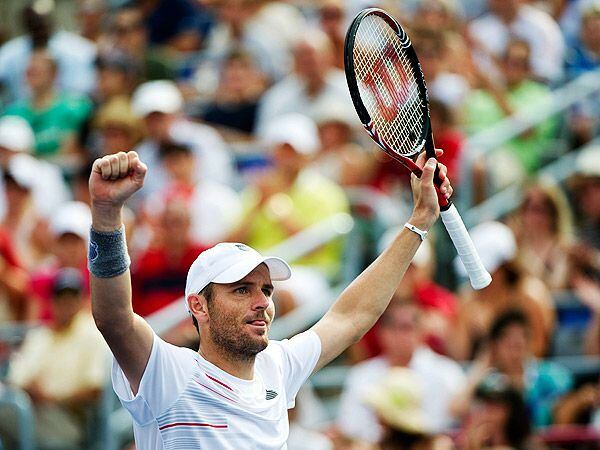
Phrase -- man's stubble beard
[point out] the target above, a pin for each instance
(231, 338)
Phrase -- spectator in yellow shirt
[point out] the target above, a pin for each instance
(62, 367)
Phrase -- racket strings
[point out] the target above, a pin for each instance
(387, 85)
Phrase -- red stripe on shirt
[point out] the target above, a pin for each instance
(216, 392)
(191, 424)
(220, 382)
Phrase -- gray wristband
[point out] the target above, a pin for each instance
(107, 255)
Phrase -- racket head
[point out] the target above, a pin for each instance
(386, 84)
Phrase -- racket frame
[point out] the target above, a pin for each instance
(425, 140)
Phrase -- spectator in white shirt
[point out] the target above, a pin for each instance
(401, 337)
(510, 19)
(160, 105)
(73, 54)
(314, 82)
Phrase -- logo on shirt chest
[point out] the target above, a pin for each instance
(270, 395)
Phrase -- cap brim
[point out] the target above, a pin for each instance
(279, 270)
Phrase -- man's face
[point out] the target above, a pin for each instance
(66, 305)
(240, 314)
(512, 348)
(158, 125)
(400, 333)
(128, 31)
(175, 222)
(516, 64)
(116, 138)
(71, 250)
(40, 72)
(287, 158)
(180, 166)
(111, 82)
(310, 62)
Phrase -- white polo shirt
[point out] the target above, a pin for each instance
(184, 402)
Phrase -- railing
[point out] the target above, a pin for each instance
(490, 139)
(508, 199)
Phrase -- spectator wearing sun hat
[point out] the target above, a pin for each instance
(117, 127)
(511, 287)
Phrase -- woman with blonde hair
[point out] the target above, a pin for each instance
(543, 229)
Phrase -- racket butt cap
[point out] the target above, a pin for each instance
(481, 282)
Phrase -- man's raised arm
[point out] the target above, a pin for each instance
(113, 180)
(364, 300)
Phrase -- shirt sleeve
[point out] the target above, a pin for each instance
(300, 356)
(165, 377)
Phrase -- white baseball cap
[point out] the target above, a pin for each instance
(23, 168)
(229, 262)
(335, 111)
(495, 243)
(72, 217)
(587, 162)
(294, 129)
(16, 134)
(156, 96)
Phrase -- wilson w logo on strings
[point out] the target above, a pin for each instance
(388, 83)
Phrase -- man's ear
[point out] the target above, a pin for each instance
(198, 307)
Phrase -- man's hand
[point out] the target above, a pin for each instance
(113, 180)
(425, 196)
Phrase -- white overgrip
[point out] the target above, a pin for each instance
(478, 276)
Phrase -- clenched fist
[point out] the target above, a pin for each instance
(115, 178)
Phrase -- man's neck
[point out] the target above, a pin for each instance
(399, 360)
(43, 98)
(233, 365)
(314, 86)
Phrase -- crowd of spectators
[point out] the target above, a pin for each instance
(241, 111)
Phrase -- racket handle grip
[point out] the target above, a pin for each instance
(478, 276)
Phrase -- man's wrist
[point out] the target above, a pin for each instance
(422, 221)
(106, 218)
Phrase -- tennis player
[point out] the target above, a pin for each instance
(234, 392)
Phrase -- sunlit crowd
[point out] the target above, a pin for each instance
(241, 110)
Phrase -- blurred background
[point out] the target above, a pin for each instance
(241, 110)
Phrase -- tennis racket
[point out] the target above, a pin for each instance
(390, 96)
